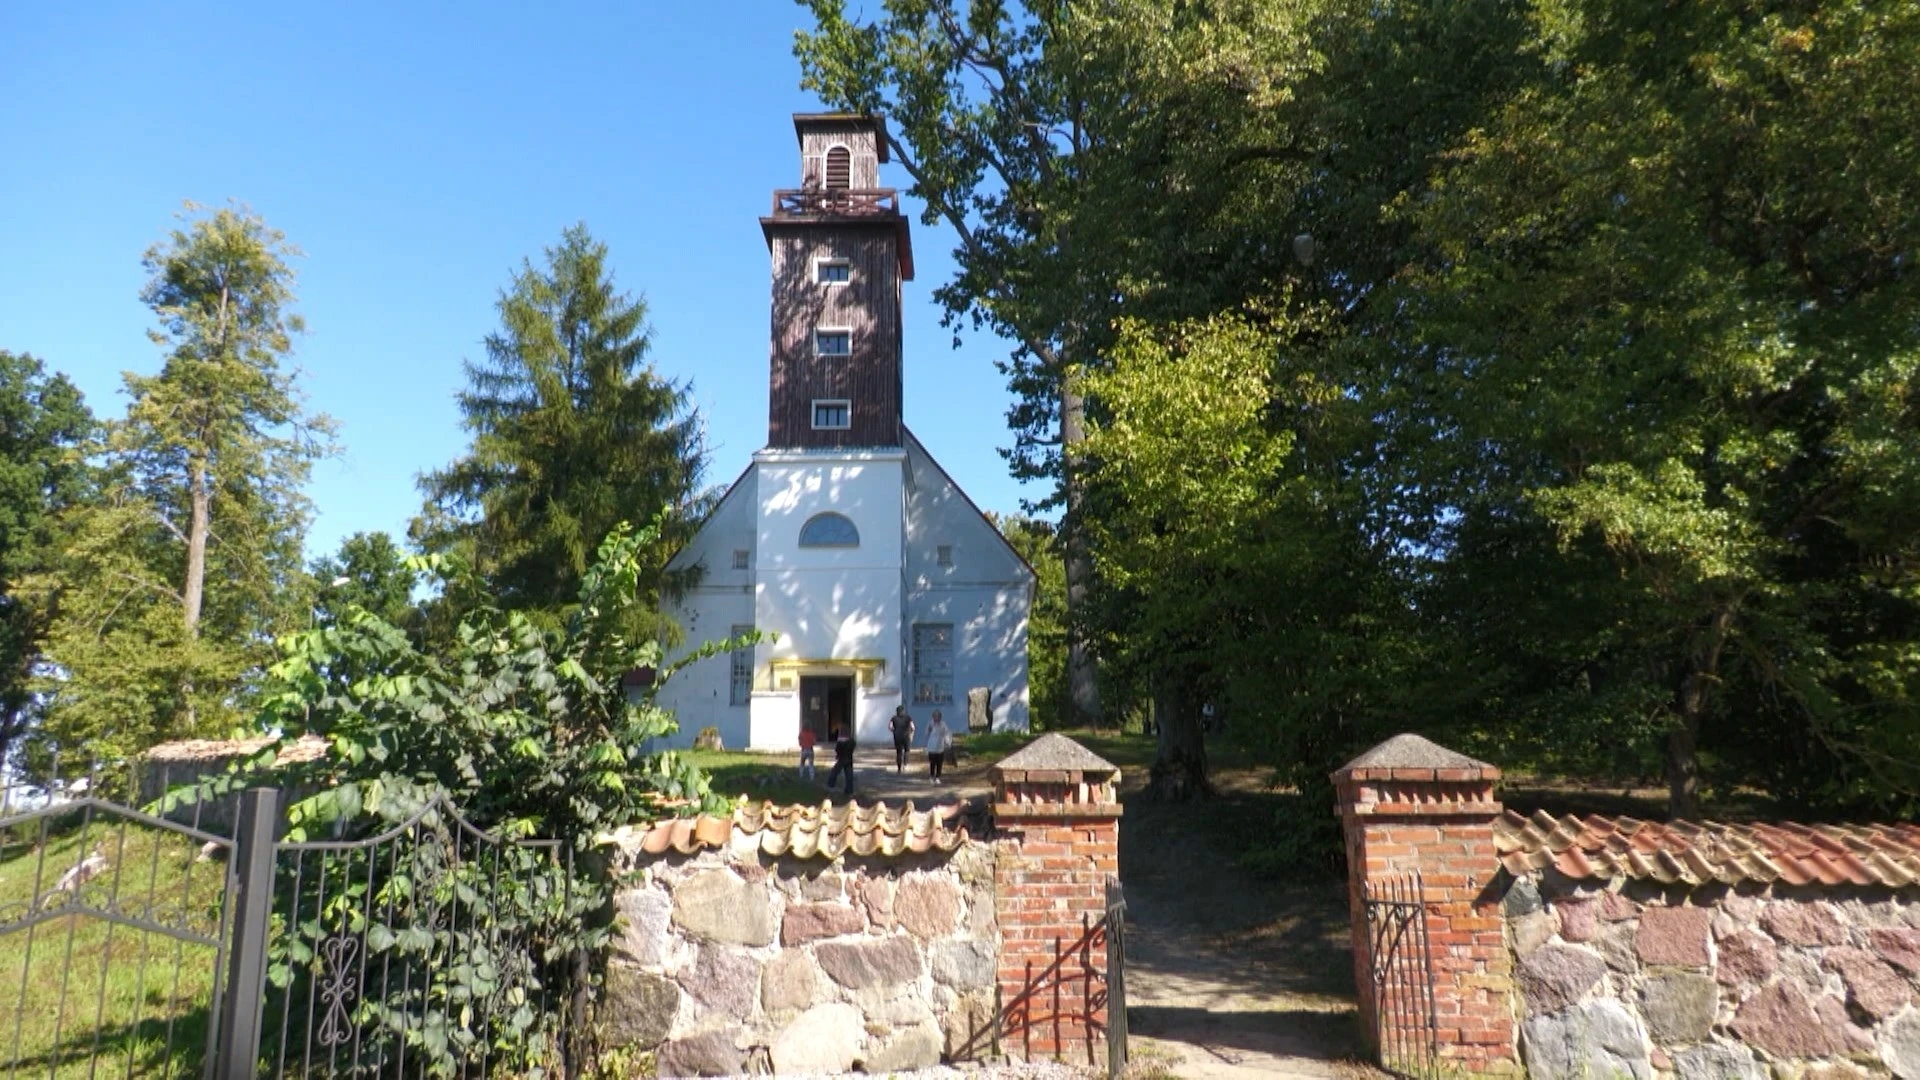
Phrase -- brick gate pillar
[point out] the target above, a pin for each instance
(1057, 814)
(1409, 805)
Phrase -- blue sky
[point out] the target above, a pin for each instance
(416, 153)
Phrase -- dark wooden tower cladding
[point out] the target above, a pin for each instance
(841, 216)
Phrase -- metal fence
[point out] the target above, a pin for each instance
(139, 942)
(1405, 1028)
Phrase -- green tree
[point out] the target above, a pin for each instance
(1672, 312)
(573, 430)
(180, 575)
(369, 573)
(44, 427)
(987, 110)
(1037, 541)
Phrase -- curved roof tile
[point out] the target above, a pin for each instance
(1695, 853)
(825, 831)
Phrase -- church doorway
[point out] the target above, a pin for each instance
(826, 701)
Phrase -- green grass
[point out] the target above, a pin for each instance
(760, 777)
(80, 996)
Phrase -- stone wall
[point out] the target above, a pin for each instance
(726, 964)
(1627, 948)
(822, 939)
(1715, 983)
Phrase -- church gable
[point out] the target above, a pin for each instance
(950, 543)
(724, 545)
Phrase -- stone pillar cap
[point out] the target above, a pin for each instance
(1410, 757)
(1053, 754)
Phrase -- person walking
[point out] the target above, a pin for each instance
(902, 727)
(939, 741)
(842, 757)
(807, 739)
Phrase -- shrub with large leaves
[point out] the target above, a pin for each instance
(522, 731)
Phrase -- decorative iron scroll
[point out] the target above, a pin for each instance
(1404, 1020)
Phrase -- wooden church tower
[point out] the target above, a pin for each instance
(877, 582)
(840, 249)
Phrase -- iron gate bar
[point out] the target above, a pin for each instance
(449, 863)
(95, 890)
(1401, 963)
(1116, 924)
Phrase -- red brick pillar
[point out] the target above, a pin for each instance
(1411, 806)
(1058, 817)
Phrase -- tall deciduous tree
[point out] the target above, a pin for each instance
(988, 111)
(180, 575)
(573, 431)
(1669, 323)
(44, 424)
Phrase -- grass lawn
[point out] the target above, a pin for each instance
(763, 777)
(80, 996)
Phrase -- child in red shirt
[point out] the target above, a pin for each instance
(806, 752)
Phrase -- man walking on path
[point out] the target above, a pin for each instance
(902, 727)
(939, 741)
(842, 757)
(807, 739)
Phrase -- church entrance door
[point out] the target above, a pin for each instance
(826, 701)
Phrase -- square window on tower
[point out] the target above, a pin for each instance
(837, 343)
(832, 415)
(832, 272)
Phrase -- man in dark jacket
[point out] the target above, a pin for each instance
(842, 757)
(902, 727)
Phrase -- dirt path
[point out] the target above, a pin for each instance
(1230, 975)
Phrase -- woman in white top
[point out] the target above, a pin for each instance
(939, 741)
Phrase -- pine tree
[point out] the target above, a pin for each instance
(574, 431)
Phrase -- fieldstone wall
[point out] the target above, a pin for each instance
(1750, 983)
(729, 961)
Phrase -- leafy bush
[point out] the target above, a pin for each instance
(529, 733)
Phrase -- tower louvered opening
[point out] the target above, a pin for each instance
(839, 169)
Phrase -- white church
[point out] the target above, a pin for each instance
(879, 580)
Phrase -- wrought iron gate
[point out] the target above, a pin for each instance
(114, 927)
(139, 945)
(1402, 977)
(1116, 924)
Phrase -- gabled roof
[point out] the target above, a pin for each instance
(913, 443)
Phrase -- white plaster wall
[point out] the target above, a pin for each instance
(829, 603)
(987, 594)
(699, 694)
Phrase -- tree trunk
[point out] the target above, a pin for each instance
(1693, 700)
(1083, 675)
(194, 589)
(1179, 771)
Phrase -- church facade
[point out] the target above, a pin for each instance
(877, 580)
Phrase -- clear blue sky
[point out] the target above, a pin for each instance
(416, 153)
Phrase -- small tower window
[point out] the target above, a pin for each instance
(943, 555)
(829, 530)
(833, 342)
(839, 169)
(832, 272)
(740, 557)
(832, 415)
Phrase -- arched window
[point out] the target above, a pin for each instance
(829, 530)
(839, 169)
